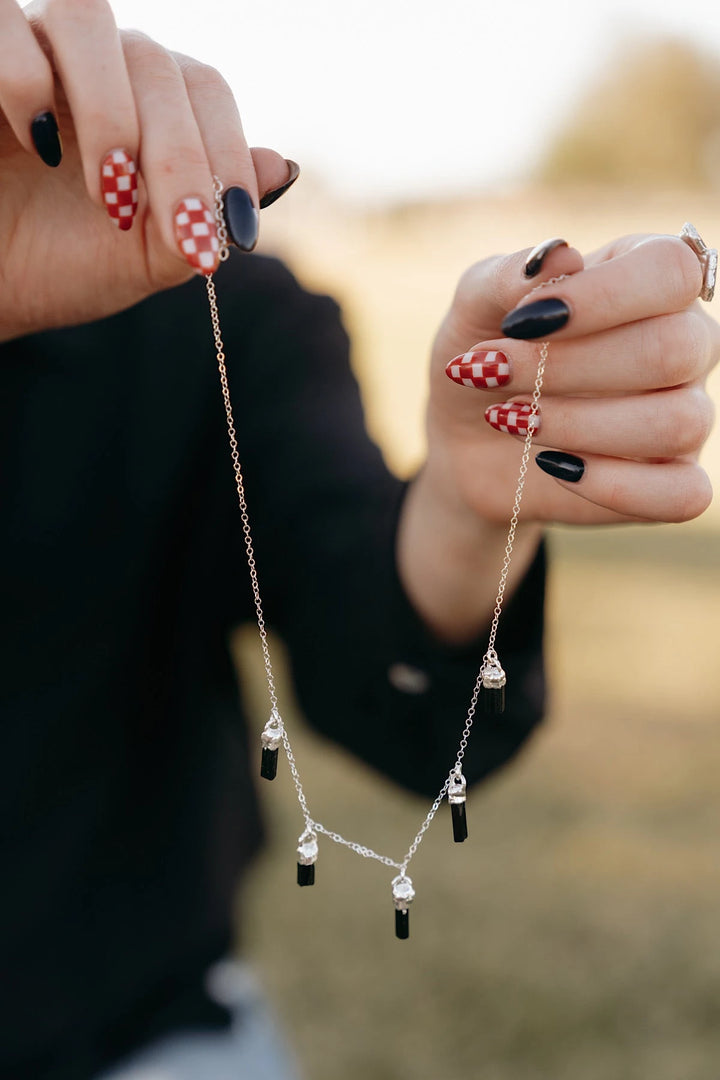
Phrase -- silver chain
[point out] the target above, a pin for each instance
(313, 826)
(532, 418)
(240, 485)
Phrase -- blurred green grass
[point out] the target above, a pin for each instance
(574, 935)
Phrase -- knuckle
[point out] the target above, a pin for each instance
(676, 268)
(680, 347)
(134, 40)
(690, 420)
(144, 51)
(203, 78)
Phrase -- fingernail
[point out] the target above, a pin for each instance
(537, 319)
(481, 368)
(271, 196)
(119, 184)
(196, 234)
(512, 417)
(539, 254)
(241, 218)
(46, 139)
(561, 466)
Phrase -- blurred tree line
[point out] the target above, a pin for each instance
(652, 119)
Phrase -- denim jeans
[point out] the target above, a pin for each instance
(251, 1049)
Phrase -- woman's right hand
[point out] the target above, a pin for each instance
(64, 259)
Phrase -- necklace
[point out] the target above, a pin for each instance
(489, 688)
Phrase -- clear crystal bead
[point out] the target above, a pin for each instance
(403, 892)
(307, 850)
(493, 677)
(272, 733)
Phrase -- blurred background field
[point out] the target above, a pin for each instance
(574, 936)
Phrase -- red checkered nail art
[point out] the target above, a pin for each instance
(196, 234)
(118, 180)
(512, 417)
(482, 369)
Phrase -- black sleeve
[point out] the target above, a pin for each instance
(324, 511)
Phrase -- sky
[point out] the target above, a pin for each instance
(390, 100)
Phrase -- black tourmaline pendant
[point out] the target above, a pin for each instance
(307, 857)
(306, 874)
(493, 687)
(268, 764)
(403, 895)
(271, 738)
(456, 798)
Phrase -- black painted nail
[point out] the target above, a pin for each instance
(241, 218)
(272, 196)
(536, 320)
(561, 466)
(539, 254)
(46, 139)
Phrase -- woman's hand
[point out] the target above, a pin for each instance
(76, 245)
(623, 405)
(624, 385)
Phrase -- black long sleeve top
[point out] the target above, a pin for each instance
(128, 804)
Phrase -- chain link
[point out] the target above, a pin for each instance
(311, 825)
(359, 849)
(296, 780)
(223, 238)
(240, 486)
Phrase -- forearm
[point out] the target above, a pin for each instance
(450, 558)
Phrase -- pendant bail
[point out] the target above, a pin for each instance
(456, 799)
(270, 738)
(403, 895)
(493, 685)
(307, 857)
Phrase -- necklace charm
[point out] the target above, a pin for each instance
(493, 685)
(307, 857)
(456, 798)
(403, 896)
(271, 738)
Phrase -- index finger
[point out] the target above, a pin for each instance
(26, 85)
(659, 276)
(220, 127)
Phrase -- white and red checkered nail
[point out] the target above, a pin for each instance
(196, 234)
(513, 417)
(483, 369)
(119, 184)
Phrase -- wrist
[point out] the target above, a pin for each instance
(450, 557)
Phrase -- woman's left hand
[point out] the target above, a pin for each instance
(623, 394)
(624, 412)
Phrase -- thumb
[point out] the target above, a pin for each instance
(491, 288)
